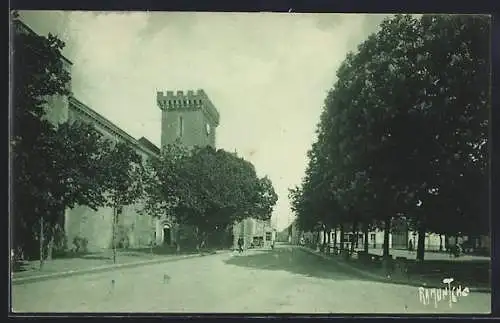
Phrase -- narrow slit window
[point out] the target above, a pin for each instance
(181, 127)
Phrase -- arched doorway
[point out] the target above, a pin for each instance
(167, 235)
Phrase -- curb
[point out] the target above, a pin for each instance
(95, 270)
(382, 279)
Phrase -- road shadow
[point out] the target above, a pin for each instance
(299, 261)
(293, 260)
(473, 271)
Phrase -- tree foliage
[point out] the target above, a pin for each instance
(57, 166)
(54, 166)
(404, 130)
(208, 189)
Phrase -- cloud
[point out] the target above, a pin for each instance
(267, 74)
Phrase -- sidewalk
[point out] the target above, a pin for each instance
(428, 255)
(94, 263)
(372, 275)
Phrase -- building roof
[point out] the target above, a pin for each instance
(145, 142)
(81, 108)
(142, 144)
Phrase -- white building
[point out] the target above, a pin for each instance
(254, 232)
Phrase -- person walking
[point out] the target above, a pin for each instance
(240, 245)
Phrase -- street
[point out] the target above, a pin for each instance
(285, 280)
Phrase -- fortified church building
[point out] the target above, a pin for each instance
(190, 117)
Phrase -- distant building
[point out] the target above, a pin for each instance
(401, 237)
(254, 231)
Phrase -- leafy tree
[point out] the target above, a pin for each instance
(266, 199)
(432, 62)
(404, 129)
(208, 189)
(164, 183)
(122, 181)
(457, 106)
(306, 221)
(54, 166)
(227, 189)
(162, 180)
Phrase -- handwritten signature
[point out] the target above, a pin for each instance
(452, 293)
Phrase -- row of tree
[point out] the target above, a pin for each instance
(60, 166)
(404, 133)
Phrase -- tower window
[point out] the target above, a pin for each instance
(180, 130)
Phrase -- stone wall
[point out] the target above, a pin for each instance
(96, 227)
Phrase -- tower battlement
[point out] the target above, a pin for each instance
(190, 100)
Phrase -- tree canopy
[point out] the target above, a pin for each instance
(208, 189)
(404, 130)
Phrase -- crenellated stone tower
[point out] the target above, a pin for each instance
(190, 116)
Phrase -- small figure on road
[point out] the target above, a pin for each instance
(458, 250)
(112, 288)
(240, 245)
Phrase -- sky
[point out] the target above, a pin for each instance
(267, 74)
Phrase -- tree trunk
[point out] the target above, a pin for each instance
(318, 235)
(387, 231)
(50, 247)
(366, 233)
(324, 239)
(341, 237)
(386, 262)
(204, 243)
(113, 229)
(335, 238)
(421, 242)
(440, 242)
(354, 236)
(41, 238)
(153, 235)
(329, 240)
